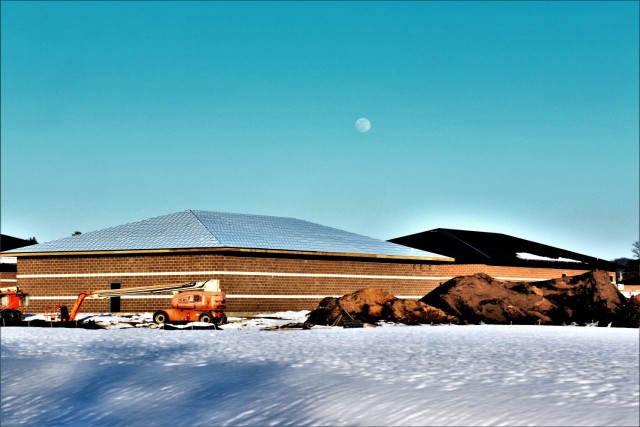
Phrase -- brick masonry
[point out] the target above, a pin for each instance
(242, 276)
(7, 278)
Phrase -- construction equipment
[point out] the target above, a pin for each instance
(12, 300)
(192, 301)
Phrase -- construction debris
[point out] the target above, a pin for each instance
(370, 306)
(587, 299)
(583, 299)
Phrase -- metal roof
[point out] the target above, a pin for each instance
(204, 229)
(468, 246)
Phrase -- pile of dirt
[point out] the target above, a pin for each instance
(630, 315)
(372, 306)
(583, 299)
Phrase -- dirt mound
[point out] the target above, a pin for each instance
(372, 306)
(630, 315)
(586, 298)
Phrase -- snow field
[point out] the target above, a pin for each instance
(392, 375)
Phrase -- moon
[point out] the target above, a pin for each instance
(363, 125)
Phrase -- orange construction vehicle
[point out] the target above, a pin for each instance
(12, 300)
(192, 301)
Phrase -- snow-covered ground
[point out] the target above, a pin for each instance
(390, 375)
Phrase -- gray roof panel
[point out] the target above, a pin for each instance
(205, 229)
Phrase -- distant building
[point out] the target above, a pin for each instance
(630, 280)
(495, 249)
(264, 263)
(8, 265)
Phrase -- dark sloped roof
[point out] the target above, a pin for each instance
(494, 248)
(204, 229)
(9, 242)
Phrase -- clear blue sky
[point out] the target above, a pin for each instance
(511, 117)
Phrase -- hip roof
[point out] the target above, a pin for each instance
(193, 229)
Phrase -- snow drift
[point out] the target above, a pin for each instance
(390, 375)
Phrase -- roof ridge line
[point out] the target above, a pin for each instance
(463, 242)
(205, 227)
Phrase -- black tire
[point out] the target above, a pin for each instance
(11, 317)
(160, 317)
(6, 316)
(205, 318)
(220, 320)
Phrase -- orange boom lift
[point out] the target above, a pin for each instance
(12, 300)
(192, 301)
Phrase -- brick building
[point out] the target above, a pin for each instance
(263, 263)
(8, 264)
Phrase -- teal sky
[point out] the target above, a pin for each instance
(512, 117)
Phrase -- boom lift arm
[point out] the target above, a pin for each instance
(207, 286)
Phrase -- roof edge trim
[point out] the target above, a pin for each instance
(228, 249)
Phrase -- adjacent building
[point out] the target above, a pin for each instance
(9, 264)
(496, 250)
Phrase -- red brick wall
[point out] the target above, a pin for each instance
(7, 278)
(35, 277)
